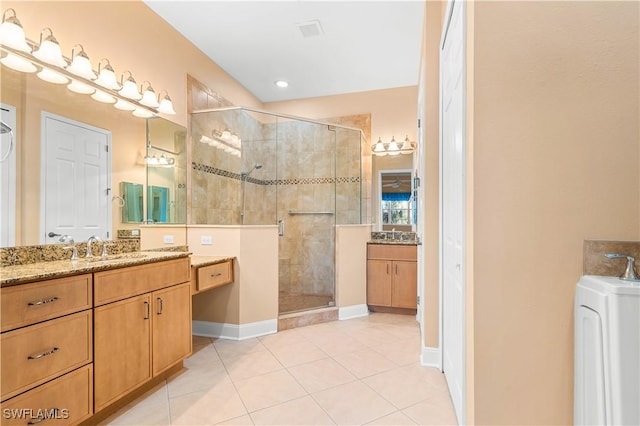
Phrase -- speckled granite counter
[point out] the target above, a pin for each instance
(199, 261)
(20, 274)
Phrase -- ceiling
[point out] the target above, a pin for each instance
(362, 45)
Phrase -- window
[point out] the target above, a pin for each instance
(396, 208)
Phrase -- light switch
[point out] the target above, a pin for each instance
(206, 240)
(168, 239)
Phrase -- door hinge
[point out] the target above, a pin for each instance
(418, 300)
(108, 191)
(106, 148)
(419, 123)
(108, 234)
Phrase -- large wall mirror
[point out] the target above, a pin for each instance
(394, 193)
(112, 145)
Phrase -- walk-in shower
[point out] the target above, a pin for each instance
(254, 167)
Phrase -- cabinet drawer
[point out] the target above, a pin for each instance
(68, 399)
(118, 284)
(392, 252)
(214, 275)
(38, 353)
(30, 303)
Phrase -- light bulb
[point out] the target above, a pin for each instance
(52, 76)
(12, 33)
(124, 105)
(130, 88)
(17, 63)
(103, 97)
(80, 65)
(79, 87)
(49, 50)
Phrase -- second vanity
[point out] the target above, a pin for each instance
(82, 338)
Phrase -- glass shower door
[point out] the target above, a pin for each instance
(306, 214)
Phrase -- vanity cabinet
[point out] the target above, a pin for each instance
(47, 351)
(392, 277)
(142, 326)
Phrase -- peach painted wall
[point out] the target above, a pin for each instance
(351, 264)
(393, 111)
(554, 107)
(253, 297)
(429, 97)
(152, 236)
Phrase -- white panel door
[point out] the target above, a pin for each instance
(76, 180)
(8, 176)
(453, 218)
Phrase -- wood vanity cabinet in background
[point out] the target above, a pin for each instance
(392, 278)
(142, 325)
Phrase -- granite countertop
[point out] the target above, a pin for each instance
(395, 242)
(198, 261)
(20, 274)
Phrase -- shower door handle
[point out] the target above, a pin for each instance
(281, 228)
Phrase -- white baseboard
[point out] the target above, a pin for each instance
(430, 357)
(234, 331)
(355, 311)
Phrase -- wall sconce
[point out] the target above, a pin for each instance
(129, 87)
(55, 68)
(392, 147)
(149, 96)
(12, 35)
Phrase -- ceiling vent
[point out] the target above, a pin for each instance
(310, 28)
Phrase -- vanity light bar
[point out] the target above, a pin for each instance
(57, 69)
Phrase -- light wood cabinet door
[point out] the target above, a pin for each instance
(404, 291)
(67, 400)
(122, 355)
(171, 326)
(379, 282)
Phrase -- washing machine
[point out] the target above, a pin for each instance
(607, 352)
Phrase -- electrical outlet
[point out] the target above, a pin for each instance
(168, 239)
(206, 240)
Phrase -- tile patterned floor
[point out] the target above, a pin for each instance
(359, 371)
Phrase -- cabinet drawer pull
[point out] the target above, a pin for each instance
(396, 269)
(43, 354)
(43, 301)
(159, 305)
(53, 414)
(216, 275)
(147, 310)
(387, 269)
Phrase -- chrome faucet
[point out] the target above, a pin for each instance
(629, 273)
(91, 239)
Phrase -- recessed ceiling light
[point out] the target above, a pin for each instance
(282, 83)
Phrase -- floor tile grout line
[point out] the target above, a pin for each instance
(233, 383)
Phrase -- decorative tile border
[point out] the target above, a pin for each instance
(297, 181)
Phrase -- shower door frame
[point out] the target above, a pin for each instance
(315, 122)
